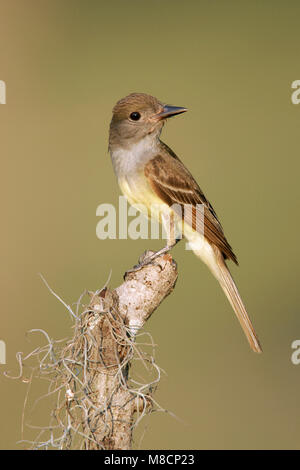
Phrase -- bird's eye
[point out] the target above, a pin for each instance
(135, 116)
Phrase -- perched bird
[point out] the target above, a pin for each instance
(150, 174)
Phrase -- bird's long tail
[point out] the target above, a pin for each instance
(221, 272)
(232, 294)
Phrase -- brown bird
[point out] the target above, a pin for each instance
(151, 176)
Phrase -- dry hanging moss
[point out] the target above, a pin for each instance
(97, 396)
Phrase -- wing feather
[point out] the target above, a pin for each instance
(174, 184)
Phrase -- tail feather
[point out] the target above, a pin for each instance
(232, 294)
(214, 259)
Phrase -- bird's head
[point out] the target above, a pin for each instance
(138, 115)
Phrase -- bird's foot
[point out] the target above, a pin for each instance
(147, 259)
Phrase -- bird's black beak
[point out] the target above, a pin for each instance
(169, 111)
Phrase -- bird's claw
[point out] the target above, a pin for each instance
(146, 262)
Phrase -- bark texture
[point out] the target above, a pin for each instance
(112, 321)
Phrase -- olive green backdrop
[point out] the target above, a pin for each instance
(65, 64)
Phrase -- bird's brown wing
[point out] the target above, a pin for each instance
(174, 184)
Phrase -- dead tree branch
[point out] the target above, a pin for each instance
(114, 319)
(98, 401)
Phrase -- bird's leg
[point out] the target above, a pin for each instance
(151, 258)
(158, 253)
(171, 242)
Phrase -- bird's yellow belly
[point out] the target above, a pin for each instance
(139, 194)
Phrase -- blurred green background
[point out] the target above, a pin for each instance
(65, 64)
